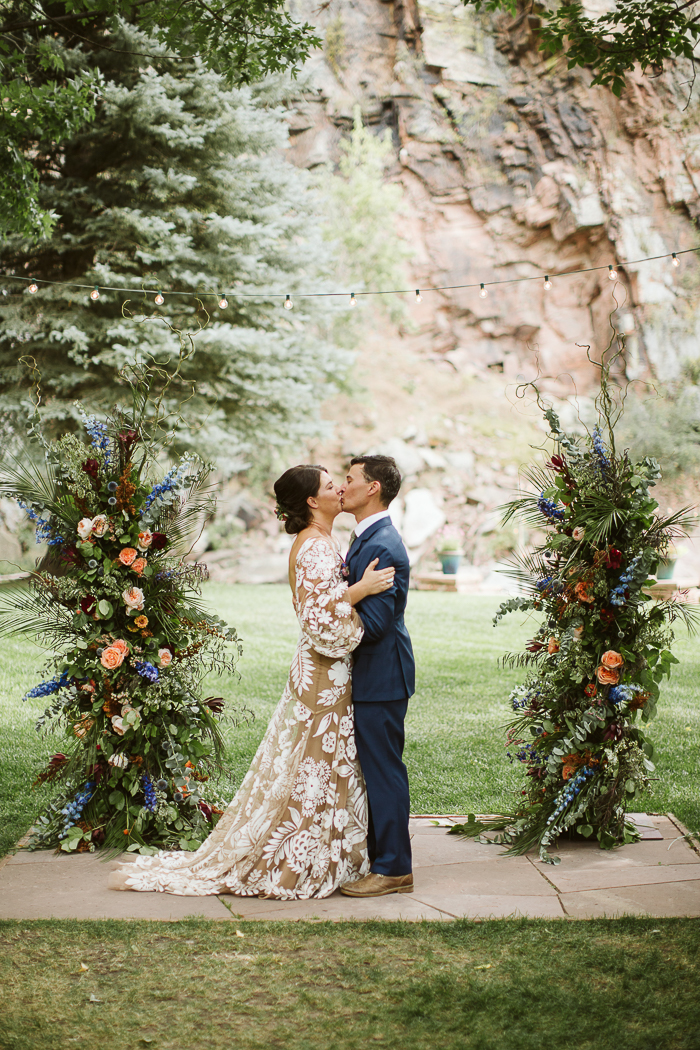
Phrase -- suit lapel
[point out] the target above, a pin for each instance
(367, 534)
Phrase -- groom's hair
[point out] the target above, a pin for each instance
(384, 470)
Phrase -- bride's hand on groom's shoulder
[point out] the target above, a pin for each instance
(374, 581)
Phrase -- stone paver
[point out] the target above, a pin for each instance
(454, 877)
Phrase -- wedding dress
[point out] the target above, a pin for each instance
(298, 823)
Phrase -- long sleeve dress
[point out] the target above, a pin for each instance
(297, 826)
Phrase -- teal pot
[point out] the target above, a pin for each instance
(665, 569)
(450, 561)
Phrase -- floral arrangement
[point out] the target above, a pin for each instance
(121, 612)
(603, 647)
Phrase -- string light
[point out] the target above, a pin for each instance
(288, 304)
(159, 300)
(95, 294)
(353, 300)
(547, 283)
(223, 302)
(419, 297)
(33, 287)
(482, 291)
(674, 259)
(612, 273)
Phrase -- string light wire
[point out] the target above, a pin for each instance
(33, 283)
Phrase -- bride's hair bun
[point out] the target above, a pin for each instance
(292, 491)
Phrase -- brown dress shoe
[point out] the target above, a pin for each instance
(375, 885)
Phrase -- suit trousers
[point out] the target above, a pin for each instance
(379, 734)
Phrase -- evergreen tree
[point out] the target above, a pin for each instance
(178, 185)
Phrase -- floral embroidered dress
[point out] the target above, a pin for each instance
(297, 825)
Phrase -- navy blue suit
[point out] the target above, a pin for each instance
(383, 679)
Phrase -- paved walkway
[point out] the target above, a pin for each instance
(454, 877)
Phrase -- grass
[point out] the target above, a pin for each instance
(627, 984)
(454, 746)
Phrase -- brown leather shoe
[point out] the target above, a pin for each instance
(375, 885)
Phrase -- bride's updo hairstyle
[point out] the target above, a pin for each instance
(292, 491)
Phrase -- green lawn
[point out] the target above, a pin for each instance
(627, 984)
(454, 748)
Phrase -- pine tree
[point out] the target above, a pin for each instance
(179, 184)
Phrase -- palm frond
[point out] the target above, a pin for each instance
(32, 610)
(23, 478)
(676, 525)
(184, 520)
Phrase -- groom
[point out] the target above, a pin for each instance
(383, 676)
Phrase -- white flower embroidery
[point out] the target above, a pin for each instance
(339, 673)
(341, 819)
(311, 784)
(351, 748)
(346, 725)
(301, 711)
(328, 742)
(335, 850)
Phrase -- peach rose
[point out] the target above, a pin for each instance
(121, 645)
(611, 659)
(83, 726)
(165, 657)
(138, 566)
(145, 540)
(552, 646)
(606, 676)
(141, 621)
(111, 658)
(99, 525)
(579, 533)
(581, 592)
(577, 632)
(134, 598)
(84, 528)
(127, 555)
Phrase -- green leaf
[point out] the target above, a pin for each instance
(585, 829)
(105, 609)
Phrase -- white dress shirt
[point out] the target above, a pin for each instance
(361, 526)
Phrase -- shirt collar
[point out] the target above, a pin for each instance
(363, 525)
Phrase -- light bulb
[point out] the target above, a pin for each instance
(288, 304)
(547, 283)
(353, 300)
(33, 287)
(159, 300)
(95, 294)
(223, 302)
(612, 273)
(419, 297)
(674, 259)
(482, 292)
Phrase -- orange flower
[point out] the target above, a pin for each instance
(121, 645)
(607, 676)
(568, 771)
(552, 646)
(112, 657)
(141, 621)
(138, 566)
(127, 555)
(166, 658)
(134, 598)
(581, 592)
(611, 659)
(590, 689)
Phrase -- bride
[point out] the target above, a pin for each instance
(297, 826)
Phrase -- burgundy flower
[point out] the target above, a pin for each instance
(127, 439)
(88, 604)
(557, 463)
(70, 555)
(607, 616)
(215, 704)
(53, 769)
(533, 646)
(206, 810)
(614, 732)
(91, 467)
(98, 836)
(159, 541)
(613, 558)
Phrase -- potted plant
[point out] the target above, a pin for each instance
(449, 553)
(664, 570)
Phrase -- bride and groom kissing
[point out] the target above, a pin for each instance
(325, 803)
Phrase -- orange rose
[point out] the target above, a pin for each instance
(120, 645)
(611, 659)
(127, 555)
(145, 540)
(553, 646)
(138, 566)
(111, 658)
(590, 689)
(165, 657)
(134, 598)
(581, 592)
(606, 676)
(141, 621)
(568, 771)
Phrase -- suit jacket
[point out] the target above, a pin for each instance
(383, 668)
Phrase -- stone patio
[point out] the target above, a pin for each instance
(454, 878)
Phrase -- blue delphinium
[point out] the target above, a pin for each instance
(147, 670)
(44, 530)
(160, 492)
(72, 811)
(600, 449)
(47, 688)
(631, 575)
(549, 508)
(618, 694)
(572, 789)
(150, 798)
(97, 432)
